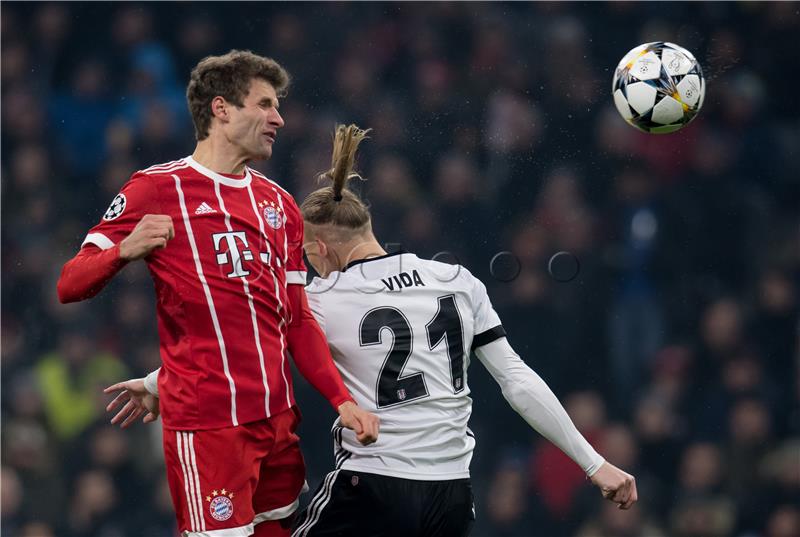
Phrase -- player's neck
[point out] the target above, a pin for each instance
(358, 250)
(219, 156)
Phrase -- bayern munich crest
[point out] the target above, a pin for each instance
(220, 505)
(273, 214)
(116, 208)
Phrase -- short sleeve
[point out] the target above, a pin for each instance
(488, 327)
(296, 271)
(137, 198)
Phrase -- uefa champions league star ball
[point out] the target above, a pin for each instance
(658, 87)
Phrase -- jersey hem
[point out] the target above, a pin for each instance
(281, 512)
(222, 425)
(427, 476)
(239, 531)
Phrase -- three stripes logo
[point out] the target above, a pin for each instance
(340, 454)
(204, 208)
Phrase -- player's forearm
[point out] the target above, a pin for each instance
(88, 272)
(313, 359)
(532, 399)
(310, 351)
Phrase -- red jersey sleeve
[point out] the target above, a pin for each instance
(87, 273)
(310, 350)
(98, 261)
(137, 198)
(295, 266)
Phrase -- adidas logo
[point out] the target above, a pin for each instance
(204, 208)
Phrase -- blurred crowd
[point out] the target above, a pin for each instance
(675, 349)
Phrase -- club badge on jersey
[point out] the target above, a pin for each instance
(220, 505)
(273, 214)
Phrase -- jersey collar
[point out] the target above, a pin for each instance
(367, 260)
(218, 177)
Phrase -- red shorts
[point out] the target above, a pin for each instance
(233, 478)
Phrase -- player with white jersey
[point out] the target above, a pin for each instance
(415, 322)
(401, 331)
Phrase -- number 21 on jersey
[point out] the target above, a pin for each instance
(394, 388)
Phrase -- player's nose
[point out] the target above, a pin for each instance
(275, 118)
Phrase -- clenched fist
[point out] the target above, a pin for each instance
(365, 424)
(153, 231)
(616, 485)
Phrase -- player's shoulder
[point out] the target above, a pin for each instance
(316, 292)
(328, 292)
(447, 272)
(157, 174)
(314, 285)
(260, 177)
(318, 287)
(166, 168)
(455, 278)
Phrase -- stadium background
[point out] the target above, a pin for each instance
(675, 349)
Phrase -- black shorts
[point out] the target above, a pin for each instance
(353, 504)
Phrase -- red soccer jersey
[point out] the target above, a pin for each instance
(220, 289)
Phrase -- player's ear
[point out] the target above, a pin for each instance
(322, 248)
(219, 108)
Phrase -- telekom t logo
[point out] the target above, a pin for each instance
(233, 255)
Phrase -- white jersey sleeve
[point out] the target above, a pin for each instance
(487, 327)
(400, 330)
(532, 399)
(524, 390)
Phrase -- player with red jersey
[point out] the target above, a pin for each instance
(223, 244)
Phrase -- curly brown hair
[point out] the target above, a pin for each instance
(228, 76)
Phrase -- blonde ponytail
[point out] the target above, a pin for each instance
(345, 145)
(336, 204)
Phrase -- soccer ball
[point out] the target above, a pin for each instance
(658, 87)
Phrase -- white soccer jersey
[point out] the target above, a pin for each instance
(401, 330)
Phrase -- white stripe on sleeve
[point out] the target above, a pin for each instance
(99, 240)
(296, 277)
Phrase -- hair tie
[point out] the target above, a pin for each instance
(337, 197)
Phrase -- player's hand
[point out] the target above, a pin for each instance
(365, 424)
(137, 401)
(616, 485)
(152, 232)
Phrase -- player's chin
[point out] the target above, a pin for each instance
(263, 152)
